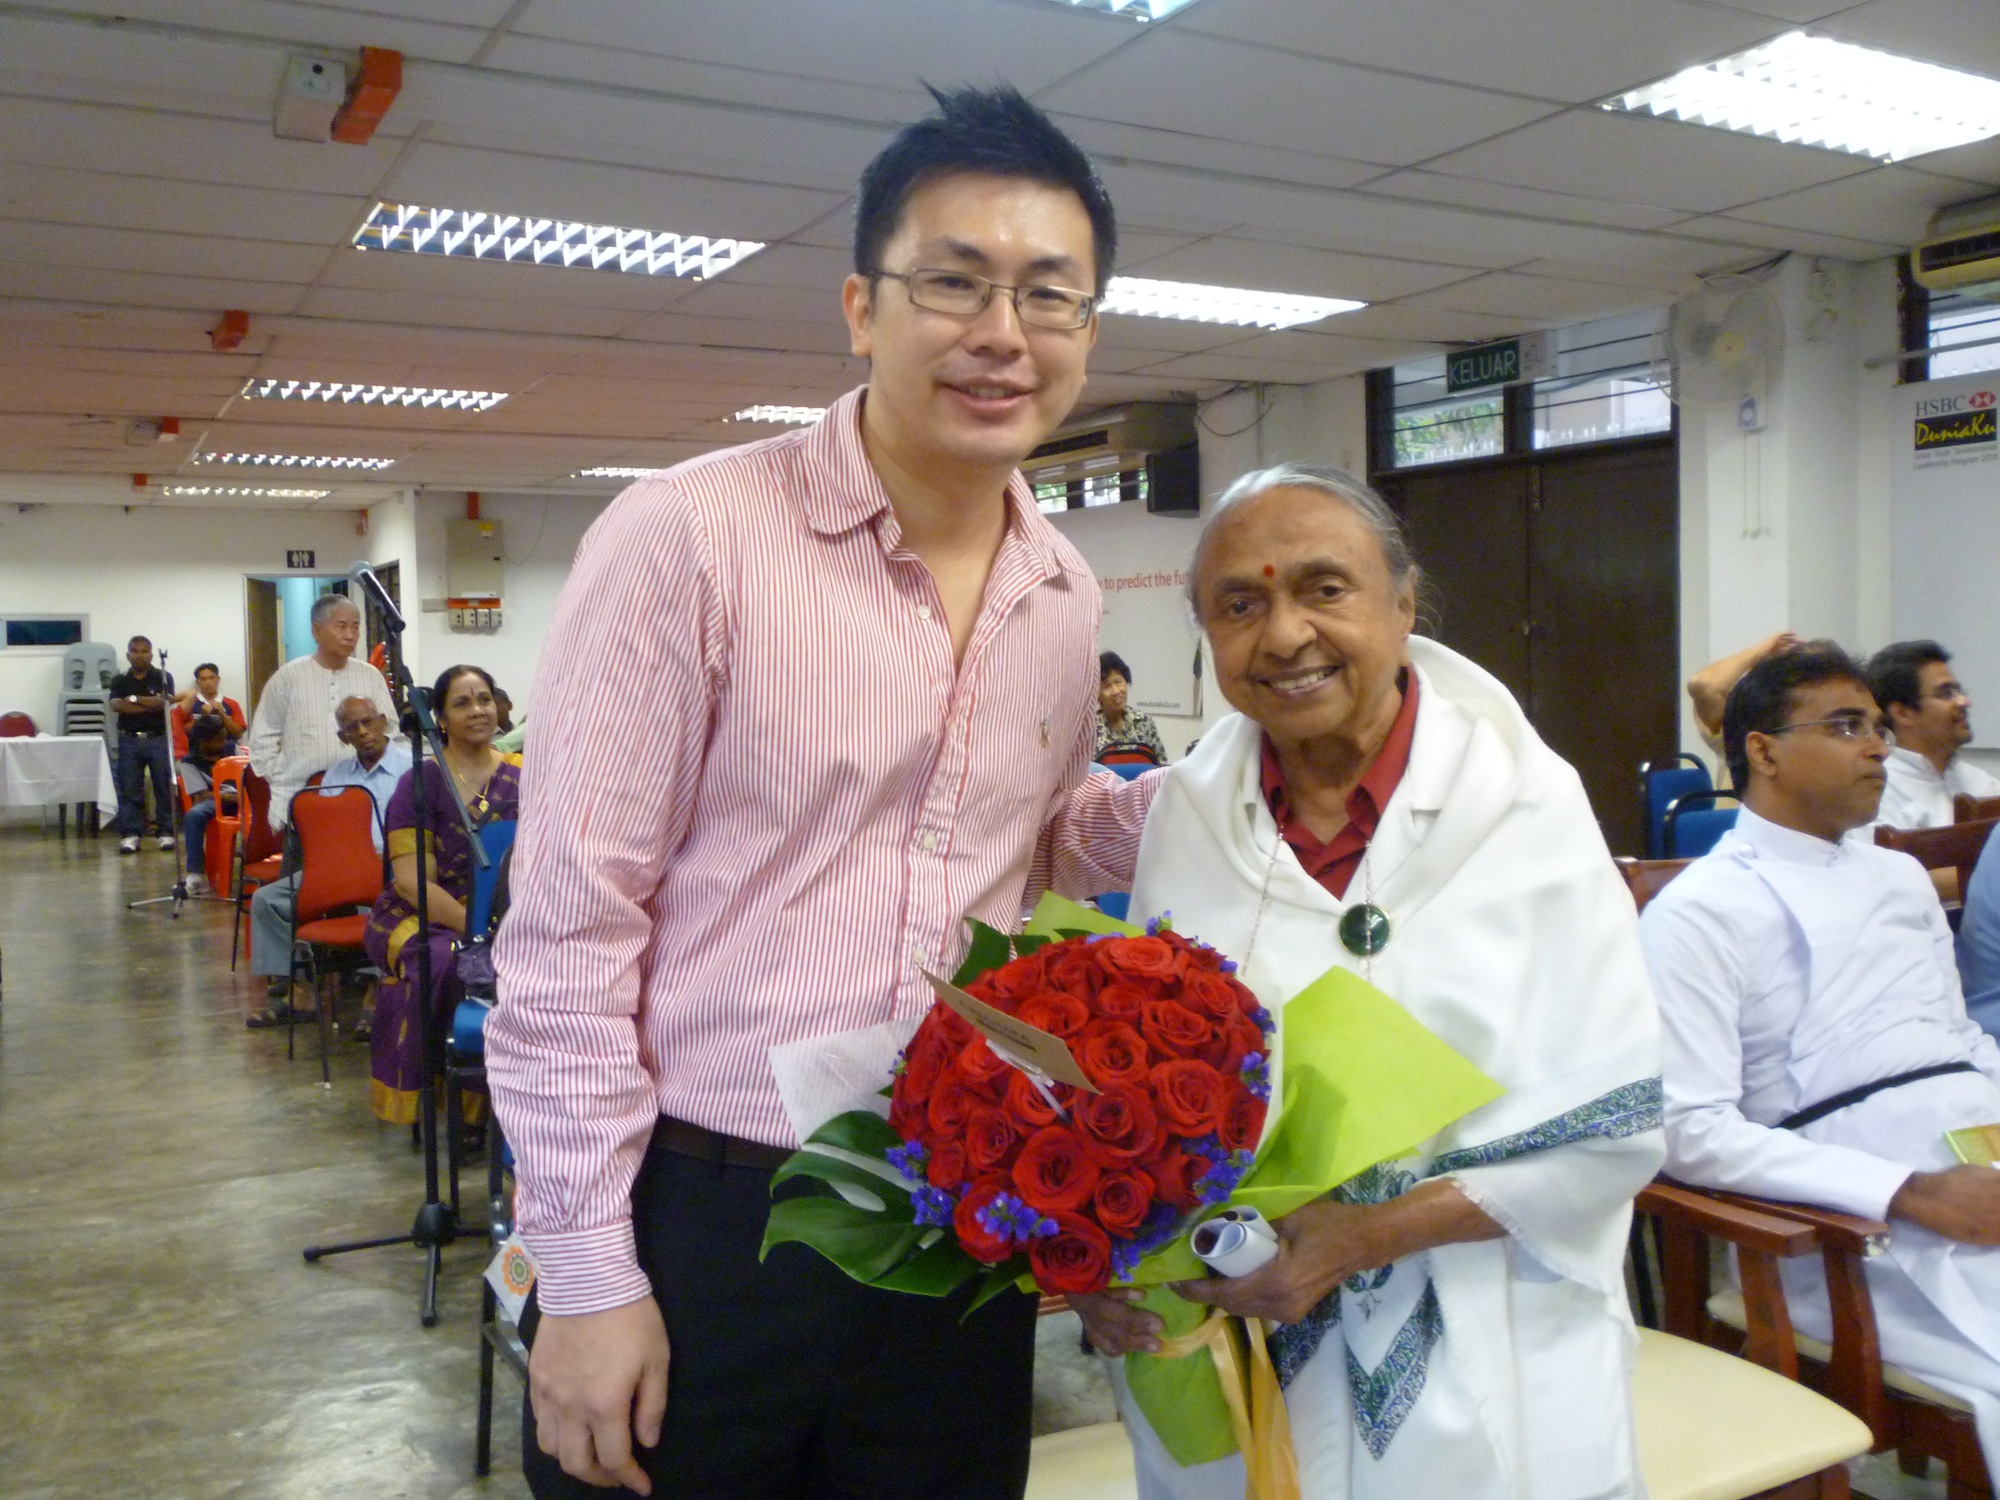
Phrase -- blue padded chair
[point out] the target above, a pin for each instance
(465, 1044)
(1660, 783)
(1115, 904)
(1694, 823)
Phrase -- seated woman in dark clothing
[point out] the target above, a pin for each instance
(1123, 733)
(490, 785)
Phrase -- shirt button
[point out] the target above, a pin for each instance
(928, 841)
(918, 956)
(923, 611)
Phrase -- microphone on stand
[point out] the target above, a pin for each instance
(364, 575)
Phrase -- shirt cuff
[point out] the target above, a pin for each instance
(1864, 1183)
(587, 1270)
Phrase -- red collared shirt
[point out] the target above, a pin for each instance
(762, 795)
(1334, 862)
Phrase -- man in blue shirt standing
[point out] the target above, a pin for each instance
(377, 765)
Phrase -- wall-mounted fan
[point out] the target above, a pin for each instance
(1721, 345)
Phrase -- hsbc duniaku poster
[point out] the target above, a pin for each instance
(1945, 528)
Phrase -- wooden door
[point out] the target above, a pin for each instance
(260, 637)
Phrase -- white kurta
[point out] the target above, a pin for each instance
(1789, 970)
(1489, 1371)
(1919, 795)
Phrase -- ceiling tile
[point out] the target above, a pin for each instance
(1799, 12)
(1565, 50)
(1955, 33)
(1265, 266)
(124, 201)
(69, 283)
(1209, 87)
(1393, 322)
(1662, 162)
(498, 281)
(1652, 278)
(1537, 299)
(169, 254)
(1109, 142)
(1500, 197)
(1220, 366)
(1745, 239)
(421, 312)
(1889, 203)
(890, 43)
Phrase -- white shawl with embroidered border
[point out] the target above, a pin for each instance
(1499, 1368)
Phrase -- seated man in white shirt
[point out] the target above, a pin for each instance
(1816, 1042)
(377, 764)
(1930, 714)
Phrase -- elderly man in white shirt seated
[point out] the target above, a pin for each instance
(1817, 1046)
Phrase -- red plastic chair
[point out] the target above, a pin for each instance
(222, 829)
(260, 852)
(16, 725)
(1127, 755)
(339, 871)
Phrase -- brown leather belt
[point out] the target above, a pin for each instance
(684, 1139)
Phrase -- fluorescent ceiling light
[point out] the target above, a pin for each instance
(795, 414)
(260, 491)
(472, 235)
(1139, 298)
(371, 395)
(613, 471)
(293, 461)
(1137, 10)
(1813, 91)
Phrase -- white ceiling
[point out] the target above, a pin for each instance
(1440, 159)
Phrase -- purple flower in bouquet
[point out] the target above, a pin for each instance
(1007, 1217)
(910, 1159)
(1257, 1074)
(933, 1207)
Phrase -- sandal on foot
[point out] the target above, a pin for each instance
(360, 1030)
(269, 1016)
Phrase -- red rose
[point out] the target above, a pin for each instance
(1243, 1037)
(1056, 1013)
(951, 1102)
(1173, 1173)
(1201, 956)
(956, 1030)
(946, 1168)
(1073, 973)
(1118, 1125)
(1076, 1258)
(1246, 1002)
(978, 1241)
(1121, 1201)
(989, 1138)
(1242, 1123)
(1026, 1109)
(1013, 982)
(1210, 994)
(1189, 1095)
(1053, 1170)
(1112, 1052)
(923, 1061)
(1119, 1001)
(984, 1069)
(1171, 1028)
(908, 1119)
(1140, 957)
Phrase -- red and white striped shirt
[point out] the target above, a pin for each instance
(760, 795)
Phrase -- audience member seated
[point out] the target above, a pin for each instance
(207, 743)
(489, 782)
(1123, 733)
(1979, 941)
(205, 701)
(139, 698)
(294, 737)
(1817, 1045)
(1709, 688)
(1930, 716)
(374, 762)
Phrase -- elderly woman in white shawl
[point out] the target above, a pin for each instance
(1453, 1323)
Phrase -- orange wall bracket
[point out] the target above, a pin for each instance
(376, 83)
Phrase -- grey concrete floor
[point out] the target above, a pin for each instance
(160, 1170)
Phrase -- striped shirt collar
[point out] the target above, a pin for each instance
(852, 494)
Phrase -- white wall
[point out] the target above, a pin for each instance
(540, 537)
(173, 574)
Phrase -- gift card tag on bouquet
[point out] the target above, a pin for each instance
(1040, 1054)
(511, 1274)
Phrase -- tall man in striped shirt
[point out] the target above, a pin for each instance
(805, 706)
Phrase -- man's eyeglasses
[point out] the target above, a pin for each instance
(1947, 692)
(348, 731)
(964, 295)
(1854, 726)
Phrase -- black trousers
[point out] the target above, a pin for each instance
(789, 1381)
(138, 756)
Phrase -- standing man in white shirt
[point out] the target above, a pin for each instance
(1817, 1045)
(1930, 714)
(295, 736)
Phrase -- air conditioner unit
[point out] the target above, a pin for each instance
(1112, 441)
(1963, 253)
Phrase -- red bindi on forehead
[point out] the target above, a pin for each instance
(1270, 571)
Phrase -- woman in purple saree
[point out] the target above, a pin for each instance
(490, 784)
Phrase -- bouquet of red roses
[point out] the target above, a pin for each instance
(987, 1165)
(1084, 1184)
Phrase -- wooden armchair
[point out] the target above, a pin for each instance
(1955, 846)
(1902, 1412)
(1966, 808)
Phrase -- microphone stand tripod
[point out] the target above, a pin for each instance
(179, 896)
(436, 1223)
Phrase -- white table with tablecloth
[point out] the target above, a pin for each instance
(57, 770)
